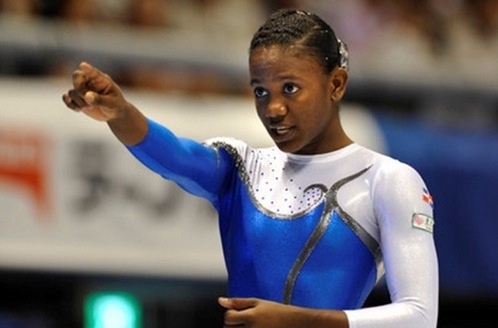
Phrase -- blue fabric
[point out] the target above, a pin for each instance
(259, 256)
(461, 170)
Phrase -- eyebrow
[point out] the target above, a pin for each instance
(281, 78)
(254, 81)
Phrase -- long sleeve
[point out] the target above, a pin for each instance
(404, 210)
(198, 169)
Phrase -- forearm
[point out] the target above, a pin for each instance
(409, 314)
(259, 313)
(319, 318)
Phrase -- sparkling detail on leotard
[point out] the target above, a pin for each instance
(313, 194)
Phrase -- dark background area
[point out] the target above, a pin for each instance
(55, 300)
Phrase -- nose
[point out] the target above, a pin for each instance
(276, 108)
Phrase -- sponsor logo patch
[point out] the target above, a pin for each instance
(423, 222)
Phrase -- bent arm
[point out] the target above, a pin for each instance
(410, 263)
(410, 259)
(195, 167)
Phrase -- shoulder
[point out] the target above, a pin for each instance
(386, 169)
(389, 176)
(234, 147)
(395, 182)
(399, 193)
(226, 143)
(390, 171)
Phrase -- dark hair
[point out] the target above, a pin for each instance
(288, 27)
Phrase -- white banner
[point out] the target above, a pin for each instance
(73, 199)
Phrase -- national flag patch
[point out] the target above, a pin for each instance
(427, 197)
(423, 222)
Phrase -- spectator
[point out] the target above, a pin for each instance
(474, 43)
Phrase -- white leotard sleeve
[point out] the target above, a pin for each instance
(404, 214)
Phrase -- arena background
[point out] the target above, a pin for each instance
(79, 216)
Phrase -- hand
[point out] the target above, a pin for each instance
(256, 313)
(99, 97)
(95, 94)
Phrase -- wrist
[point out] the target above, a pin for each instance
(305, 317)
(130, 126)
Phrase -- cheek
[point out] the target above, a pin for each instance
(260, 110)
(261, 104)
(316, 120)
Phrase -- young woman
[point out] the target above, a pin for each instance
(307, 226)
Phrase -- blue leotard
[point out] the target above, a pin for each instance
(313, 231)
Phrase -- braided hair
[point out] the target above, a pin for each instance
(288, 27)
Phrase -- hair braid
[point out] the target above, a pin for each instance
(288, 27)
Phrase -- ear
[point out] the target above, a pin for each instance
(338, 82)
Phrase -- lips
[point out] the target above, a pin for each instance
(281, 130)
(281, 133)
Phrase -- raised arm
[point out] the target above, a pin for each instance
(193, 166)
(98, 96)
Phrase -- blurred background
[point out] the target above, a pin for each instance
(89, 238)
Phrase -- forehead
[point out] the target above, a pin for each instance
(279, 59)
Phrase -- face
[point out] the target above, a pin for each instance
(296, 100)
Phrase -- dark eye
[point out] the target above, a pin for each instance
(260, 92)
(290, 88)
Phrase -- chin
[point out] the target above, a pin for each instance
(288, 148)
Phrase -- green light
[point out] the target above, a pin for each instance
(112, 310)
